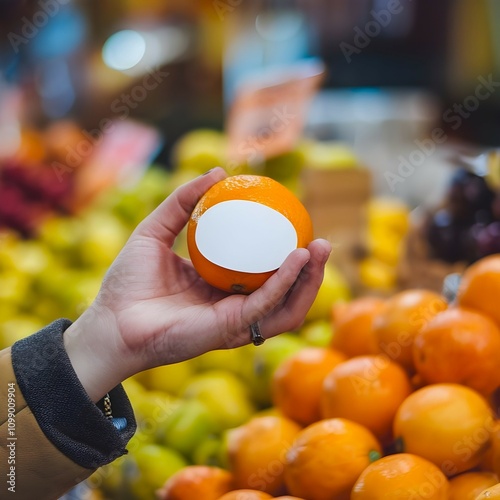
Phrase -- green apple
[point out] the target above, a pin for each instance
(188, 424)
(154, 465)
(334, 288)
(317, 333)
(208, 452)
(224, 394)
(285, 167)
(152, 409)
(62, 234)
(262, 362)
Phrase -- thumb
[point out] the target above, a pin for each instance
(168, 219)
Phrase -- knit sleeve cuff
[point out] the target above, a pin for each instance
(62, 408)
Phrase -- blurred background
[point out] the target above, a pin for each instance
(367, 110)
(382, 115)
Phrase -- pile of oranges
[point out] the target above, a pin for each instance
(402, 405)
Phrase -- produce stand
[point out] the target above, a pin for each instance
(390, 386)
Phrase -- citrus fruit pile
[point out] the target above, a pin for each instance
(402, 404)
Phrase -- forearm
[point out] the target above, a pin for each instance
(96, 353)
(62, 435)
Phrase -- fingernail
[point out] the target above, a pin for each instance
(207, 172)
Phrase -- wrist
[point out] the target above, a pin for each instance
(93, 345)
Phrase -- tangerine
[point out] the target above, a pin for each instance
(402, 317)
(327, 457)
(480, 287)
(492, 493)
(256, 452)
(367, 390)
(242, 229)
(401, 477)
(461, 346)
(449, 424)
(353, 326)
(245, 495)
(469, 485)
(297, 383)
(197, 481)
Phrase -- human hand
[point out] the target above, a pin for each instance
(154, 309)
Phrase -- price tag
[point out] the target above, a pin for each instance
(268, 114)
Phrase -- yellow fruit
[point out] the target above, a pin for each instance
(225, 396)
(334, 288)
(169, 378)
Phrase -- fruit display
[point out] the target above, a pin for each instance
(388, 222)
(462, 229)
(391, 395)
(466, 227)
(406, 408)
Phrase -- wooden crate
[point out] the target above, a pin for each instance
(337, 201)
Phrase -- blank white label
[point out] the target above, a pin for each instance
(245, 236)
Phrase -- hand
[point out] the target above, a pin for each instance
(154, 309)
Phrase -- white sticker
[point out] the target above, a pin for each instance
(245, 236)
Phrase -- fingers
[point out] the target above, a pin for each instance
(292, 312)
(264, 300)
(166, 222)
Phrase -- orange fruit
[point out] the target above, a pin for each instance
(449, 424)
(480, 287)
(402, 317)
(245, 495)
(367, 390)
(353, 326)
(492, 493)
(288, 497)
(297, 383)
(401, 477)
(242, 229)
(469, 485)
(461, 346)
(327, 457)
(197, 481)
(256, 452)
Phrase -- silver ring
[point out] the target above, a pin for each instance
(256, 336)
